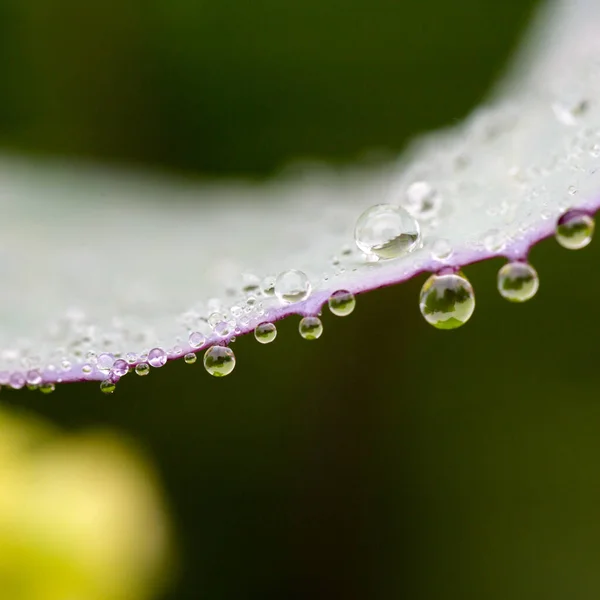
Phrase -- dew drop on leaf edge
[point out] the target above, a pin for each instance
(342, 303)
(265, 333)
(518, 281)
(219, 361)
(447, 300)
(311, 328)
(575, 230)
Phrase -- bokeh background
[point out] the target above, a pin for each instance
(386, 459)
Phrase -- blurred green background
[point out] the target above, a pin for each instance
(387, 459)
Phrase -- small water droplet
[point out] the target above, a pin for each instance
(341, 303)
(120, 368)
(268, 285)
(196, 339)
(142, 369)
(131, 358)
(190, 358)
(387, 231)
(518, 281)
(265, 333)
(441, 249)
(423, 200)
(86, 369)
(572, 190)
(65, 365)
(292, 286)
(17, 381)
(223, 329)
(219, 361)
(575, 230)
(494, 241)
(105, 362)
(157, 357)
(47, 388)
(447, 300)
(108, 386)
(311, 328)
(215, 318)
(33, 377)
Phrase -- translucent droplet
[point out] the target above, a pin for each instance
(108, 386)
(268, 285)
(47, 388)
(131, 358)
(575, 230)
(86, 369)
(387, 231)
(447, 300)
(292, 286)
(17, 381)
(265, 333)
(223, 329)
(494, 241)
(311, 328)
(219, 361)
(142, 369)
(215, 318)
(196, 339)
(341, 303)
(190, 358)
(33, 377)
(105, 362)
(120, 368)
(157, 357)
(441, 249)
(518, 281)
(423, 201)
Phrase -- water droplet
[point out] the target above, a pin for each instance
(342, 303)
(142, 369)
(268, 285)
(33, 377)
(219, 361)
(17, 381)
(120, 368)
(131, 358)
(190, 358)
(86, 369)
(265, 333)
(387, 231)
(215, 318)
(575, 230)
(441, 249)
(572, 190)
(292, 286)
(423, 201)
(311, 328)
(105, 362)
(108, 386)
(223, 329)
(447, 300)
(157, 357)
(518, 281)
(65, 365)
(494, 241)
(250, 282)
(47, 388)
(196, 339)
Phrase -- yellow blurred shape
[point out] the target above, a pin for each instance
(81, 517)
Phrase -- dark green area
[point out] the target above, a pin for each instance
(387, 459)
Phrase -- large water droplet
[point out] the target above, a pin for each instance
(292, 286)
(105, 362)
(342, 303)
(157, 357)
(575, 230)
(265, 333)
(387, 231)
(219, 361)
(518, 281)
(311, 328)
(447, 300)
